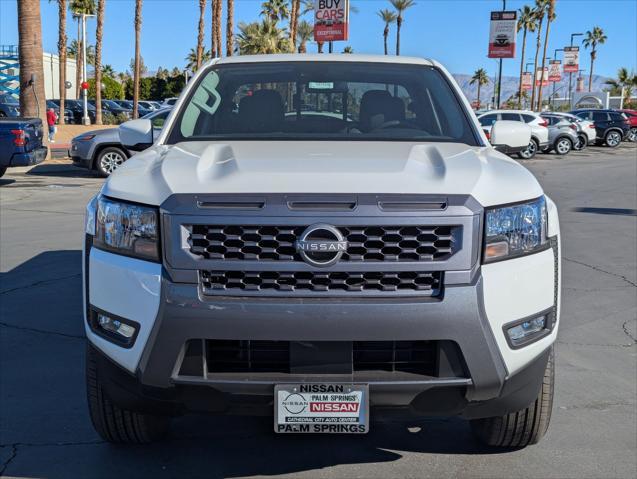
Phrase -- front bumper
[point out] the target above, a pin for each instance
(492, 378)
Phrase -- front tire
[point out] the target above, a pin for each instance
(109, 159)
(563, 146)
(612, 139)
(521, 428)
(112, 423)
(530, 151)
(632, 135)
(582, 142)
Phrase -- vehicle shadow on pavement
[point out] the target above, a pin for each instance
(61, 170)
(6, 181)
(45, 418)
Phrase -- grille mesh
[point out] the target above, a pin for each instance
(215, 282)
(365, 243)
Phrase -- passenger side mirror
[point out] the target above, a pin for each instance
(136, 135)
(510, 136)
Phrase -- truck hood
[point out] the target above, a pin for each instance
(491, 178)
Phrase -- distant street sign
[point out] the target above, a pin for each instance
(502, 34)
(555, 71)
(571, 59)
(543, 76)
(527, 80)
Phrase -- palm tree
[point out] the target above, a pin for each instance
(193, 57)
(99, 32)
(550, 16)
(348, 49)
(388, 17)
(32, 101)
(538, 13)
(62, 55)
(480, 77)
(137, 72)
(275, 10)
(108, 71)
(79, 7)
(230, 28)
(591, 40)
(294, 22)
(200, 32)
(625, 81)
(526, 23)
(217, 12)
(304, 33)
(262, 38)
(400, 6)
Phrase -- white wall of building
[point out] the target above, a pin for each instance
(51, 64)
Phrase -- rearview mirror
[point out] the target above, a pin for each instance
(510, 136)
(136, 135)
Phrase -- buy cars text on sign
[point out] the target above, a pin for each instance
(331, 20)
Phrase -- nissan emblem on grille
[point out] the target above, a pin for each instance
(321, 245)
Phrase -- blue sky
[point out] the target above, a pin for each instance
(454, 32)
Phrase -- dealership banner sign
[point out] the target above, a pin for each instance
(555, 71)
(542, 76)
(331, 20)
(571, 59)
(527, 80)
(502, 34)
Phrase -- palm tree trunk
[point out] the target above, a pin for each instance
(98, 61)
(218, 20)
(319, 46)
(546, 43)
(293, 14)
(385, 35)
(537, 54)
(399, 23)
(137, 73)
(479, 94)
(200, 32)
(62, 55)
(590, 75)
(522, 69)
(213, 33)
(32, 101)
(230, 28)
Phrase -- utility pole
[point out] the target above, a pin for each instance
(555, 58)
(504, 7)
(85, 119)
(570, 75)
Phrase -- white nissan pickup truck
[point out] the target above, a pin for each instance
(322, 239)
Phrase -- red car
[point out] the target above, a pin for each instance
(632, 119)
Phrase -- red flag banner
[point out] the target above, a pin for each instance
(502, 34)
(571, 59)
(331, 20)
(555, 71)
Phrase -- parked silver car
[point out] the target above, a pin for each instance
(102, 150)
(586, 129)
(563, 134)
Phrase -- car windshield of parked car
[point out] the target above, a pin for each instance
(323, 101)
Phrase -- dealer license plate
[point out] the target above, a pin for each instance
(321, 408)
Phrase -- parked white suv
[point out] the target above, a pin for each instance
(319, 238)
(539, 130)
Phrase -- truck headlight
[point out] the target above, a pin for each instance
(128, 229)
(515, 230)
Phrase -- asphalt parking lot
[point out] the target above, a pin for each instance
(45, 431)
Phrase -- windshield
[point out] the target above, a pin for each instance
(322, 101)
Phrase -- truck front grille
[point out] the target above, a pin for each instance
(365, 243)
(316, 282)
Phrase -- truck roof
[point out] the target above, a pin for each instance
(318, 57)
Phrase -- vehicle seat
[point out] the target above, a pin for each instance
(261, 112)
(378, 107)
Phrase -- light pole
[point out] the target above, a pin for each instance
(570, 74)
(85, 119)
(555, 58)
(504, 7)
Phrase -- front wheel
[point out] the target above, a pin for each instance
(521, 428)
(563, 146)
(530, 151)
(109, 159)
(632, 134)
(581, 143)
(115, 424)
(613, 139)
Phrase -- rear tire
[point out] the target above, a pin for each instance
(113, 423)
(632, 135)
(521, 428)
(530, 151)
(581, 144)
(3, 170)
(613, 138)
(563, 146)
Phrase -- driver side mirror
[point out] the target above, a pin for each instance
(136, 135)
(510, 136)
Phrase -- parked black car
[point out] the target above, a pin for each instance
(76, 107)
(610, 125)
(9, 106)
(129, 104)
(68, 114)
(110, 106)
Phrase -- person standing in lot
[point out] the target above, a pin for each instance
(51, 118)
